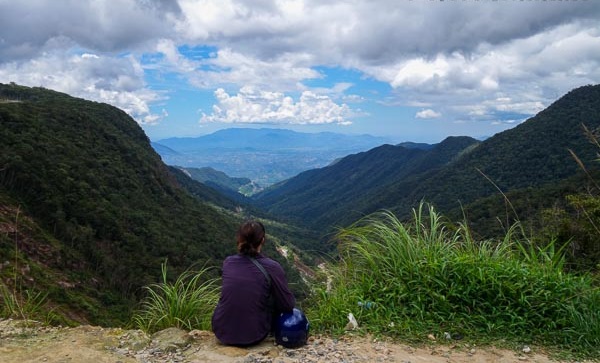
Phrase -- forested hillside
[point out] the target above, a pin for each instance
(336, 194)
(531, 155)
(89, 211)
(230, 186)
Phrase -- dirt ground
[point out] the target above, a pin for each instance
(22, 342)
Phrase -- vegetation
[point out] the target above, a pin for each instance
(211, 194)
(428, 277)
(455, 173)
(209, 175)
(578, 222)
(100, 209)
(335, 195)
(27, 305)
(187, 303)
(19, 304)
(85, 172)
(411, 280)
(36, 272)
(567, 212)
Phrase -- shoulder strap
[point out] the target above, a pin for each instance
(262, 269)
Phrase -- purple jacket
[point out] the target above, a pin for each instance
(242, 316)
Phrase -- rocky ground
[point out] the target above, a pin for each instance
(31, 342)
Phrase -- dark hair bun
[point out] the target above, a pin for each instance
(249, 237)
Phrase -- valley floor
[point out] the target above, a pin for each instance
(31, 342)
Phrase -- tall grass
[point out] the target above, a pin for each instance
(22, 303)
(418, 278)
(25, 305)
(186, 303)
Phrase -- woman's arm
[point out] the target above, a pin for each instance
(284, 298)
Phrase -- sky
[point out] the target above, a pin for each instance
(411, 70)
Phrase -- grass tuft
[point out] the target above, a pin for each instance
(412, 279)
(187, 303)
(28, 306)
(22, 303)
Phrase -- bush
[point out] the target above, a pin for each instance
(22, 304)
(187, 303)
(412, 280)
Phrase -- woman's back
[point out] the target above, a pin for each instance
(242, 317)
(244, 313)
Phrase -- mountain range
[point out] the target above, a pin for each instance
(264, 155)
(451, 174)
(335, 191)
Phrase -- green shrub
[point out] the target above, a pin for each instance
(187, 303)
(412, 280)
(25, 304)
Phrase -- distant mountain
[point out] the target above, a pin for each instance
(532, 154)
(271, 139)
(236, 189)
(263, 155)
(328, 195)
(416, 145)
(88, 211)
(453, 173)
(214, 177)
(162, 149)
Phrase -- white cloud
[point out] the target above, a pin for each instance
(428, 113)
(229, 67)
(416, 72)
(534, 71)
(252, 105)
(534, 54)
(457, 57)
(105, 26)
(117, 81)
(372, 32)
(173, 58)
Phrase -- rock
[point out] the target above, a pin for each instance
(201, 334)
(171, 339)
(231, 351)
(134, 340)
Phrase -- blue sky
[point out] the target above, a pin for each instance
(413, 70)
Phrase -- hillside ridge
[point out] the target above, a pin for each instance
(90, 212)
(531, 154)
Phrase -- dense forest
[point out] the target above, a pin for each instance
(105, 209)
(335, 194)
(536, 165)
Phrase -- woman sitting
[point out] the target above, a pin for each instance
(254, 290)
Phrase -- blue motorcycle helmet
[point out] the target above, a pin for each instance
(291, 329)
